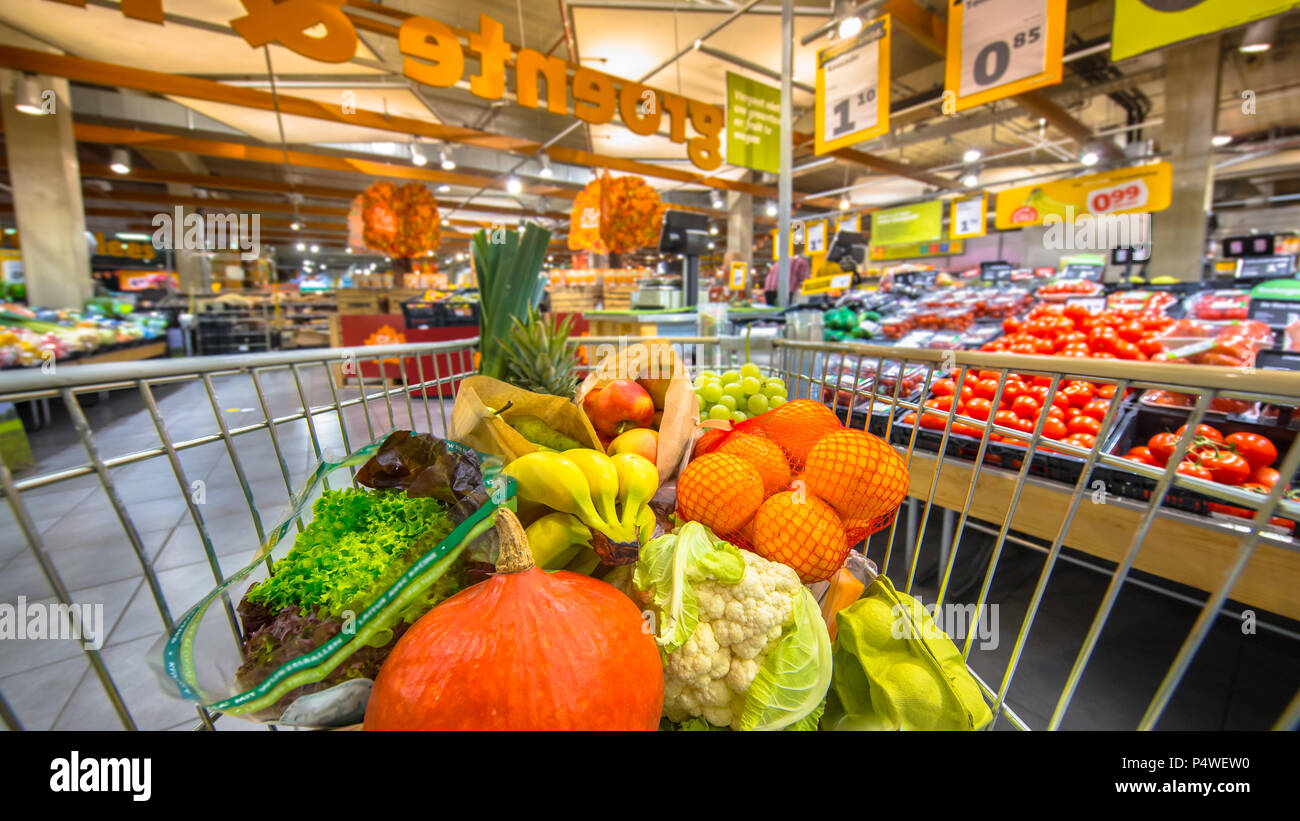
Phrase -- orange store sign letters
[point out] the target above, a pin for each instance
(433, 55)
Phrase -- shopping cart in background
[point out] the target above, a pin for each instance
(225, 440)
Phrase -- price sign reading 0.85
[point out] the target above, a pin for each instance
(1002, 41)
(1122, 197)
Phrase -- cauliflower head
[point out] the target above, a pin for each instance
(721, 612)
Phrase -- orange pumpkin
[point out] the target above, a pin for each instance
(524, 650)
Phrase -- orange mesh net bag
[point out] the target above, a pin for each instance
(794, 486)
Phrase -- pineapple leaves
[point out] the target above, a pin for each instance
(508, 264)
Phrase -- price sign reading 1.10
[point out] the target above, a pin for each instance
(853, 88)
(997, 48)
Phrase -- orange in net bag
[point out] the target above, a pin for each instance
(802, 532)
(767, 458)
(796, 426)
(858, 474)
(720, 491)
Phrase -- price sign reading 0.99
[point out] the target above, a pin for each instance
(853, 88)
(997, 48)
(1122, 197)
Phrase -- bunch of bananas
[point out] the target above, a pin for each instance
(582, 498)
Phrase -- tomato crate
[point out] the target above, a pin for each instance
(1140, 423)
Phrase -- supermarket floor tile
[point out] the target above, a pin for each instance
(38, 696)
(29, 654)
(182, 588)
(89, 707)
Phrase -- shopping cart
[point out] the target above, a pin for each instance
(988, 499)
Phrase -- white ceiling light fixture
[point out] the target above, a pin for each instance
(1090, 158)
(27, 95)
(417, 156)
(771, 208)
(445, 160)
(120, 161)
(971, 155)
(444, 188)
(295, 225)
(513, 185)
(1259, 36)
(1220, 140)
(845, 203)
(315, 249)
(715, 200)
(547, 171)
(849, 27)
(347, 250)
(971, 179)
(713, 230)
(301, 246)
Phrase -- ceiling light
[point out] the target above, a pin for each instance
(315, 249)
(849, 27)
(1089, 158)
(971, 155)
(1220, 140)
(513, 185)
(1259, 36)
(971, 180)
(301, 246)
(771, 209)
(444, 188)
(547, 171)
(347, 250)
(715, 199)
(448, 164)
(417, 156)
(27, 95)
(845, 203)
(129, 237)
(295, 225)
(120, 161)
(713, 230)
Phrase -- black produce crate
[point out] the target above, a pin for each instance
(1060, 467)
(880, 414)
(418, 313)
(1141, 422)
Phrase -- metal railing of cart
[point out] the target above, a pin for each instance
(1016, 502)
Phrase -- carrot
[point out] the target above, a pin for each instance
(845, 589)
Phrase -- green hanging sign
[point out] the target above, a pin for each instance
(753, 124)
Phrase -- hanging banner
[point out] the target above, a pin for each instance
(853, 88)
(1142, 189)
(753, 124)
(737, 275)
(999, 48)
(1142, 25)
(968, 217)
(922, 222)
(913, 250)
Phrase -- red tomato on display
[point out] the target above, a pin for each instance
(1258, 450)
(1265, 476)
(1054, 428)
(1202, 430)
(1084, 424)
(1027, 407)
(1194, 470)
(1140, 454)
(1096, 409)
(1083, 440)
(986, 388)
(979, 408)
(1226, 467)
(1162, 447)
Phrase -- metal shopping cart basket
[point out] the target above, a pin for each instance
(1119, 585)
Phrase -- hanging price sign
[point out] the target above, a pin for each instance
(999, 48)
(968, 217)
(853, 88)
(1123, 197)
(736, 277)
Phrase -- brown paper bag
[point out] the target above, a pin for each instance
(474, 422)
(651, 358)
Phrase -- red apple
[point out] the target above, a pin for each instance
(620, 405)
(658, 390)
(641, 441)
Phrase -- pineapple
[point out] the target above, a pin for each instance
(539, 356)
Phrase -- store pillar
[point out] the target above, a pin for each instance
(740, 228)
(1191, 115)
(46, 180)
